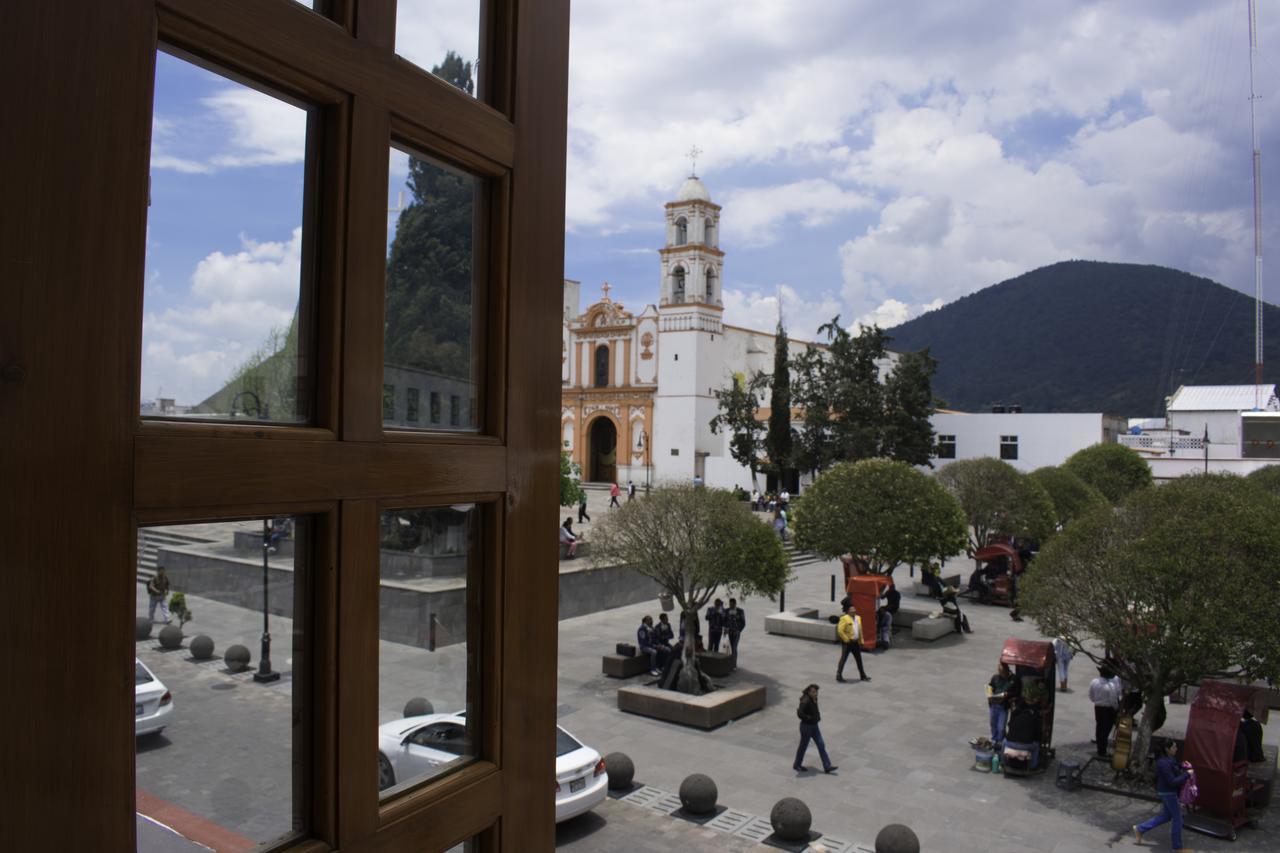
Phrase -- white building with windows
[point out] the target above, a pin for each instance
(638, 389)
(1025, 440)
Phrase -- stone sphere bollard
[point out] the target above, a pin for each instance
(697, 793)
(896, 838)
(142, 628)
(171, 637)
(791, 819)
(418, 706)
(621, 770)
(202, 647)
(236, 658)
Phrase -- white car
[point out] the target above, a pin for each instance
(423, 746)
(152, 701)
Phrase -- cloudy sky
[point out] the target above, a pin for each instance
(872, 159)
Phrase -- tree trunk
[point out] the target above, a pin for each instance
(691, 680)
(1147, 723)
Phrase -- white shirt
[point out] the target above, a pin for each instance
(1105, 692)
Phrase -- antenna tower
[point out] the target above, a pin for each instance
(1257, 212)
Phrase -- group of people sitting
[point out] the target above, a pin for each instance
(662, 644)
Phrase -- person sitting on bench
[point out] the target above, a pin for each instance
(646, 642)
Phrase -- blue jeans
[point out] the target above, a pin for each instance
(999, 715)
(809, 731)
(1170, 810)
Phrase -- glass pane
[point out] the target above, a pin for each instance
(220, 751)
(427, 654)
(442, 37)
(225, 328)
(431, 352)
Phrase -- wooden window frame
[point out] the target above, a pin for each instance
(73, 489)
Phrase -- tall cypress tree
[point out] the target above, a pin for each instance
(908, 402)
(778, 440)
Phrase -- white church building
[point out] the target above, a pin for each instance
(638, 389)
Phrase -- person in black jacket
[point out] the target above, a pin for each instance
(715, 624)
(735, 622)
(809, 718)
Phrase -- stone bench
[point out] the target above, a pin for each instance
(803, 622)
(620, 666)
(908, 616)
(704, 712)
(931, 629)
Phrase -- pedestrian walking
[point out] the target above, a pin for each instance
(1104, 693)
(810, 716)
(582, 508)
(158, 594)
(614, 491)
(735, 622)
(1062, 653)
(631, 491)
(849, 630)
(1170, 777)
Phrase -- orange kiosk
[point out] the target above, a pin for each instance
(865, 591)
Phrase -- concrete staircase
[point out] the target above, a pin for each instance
(797, 558)
(151, 540)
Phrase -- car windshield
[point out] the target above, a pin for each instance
(565, 743)
(140, 674)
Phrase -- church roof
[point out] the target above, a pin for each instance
(693, 189)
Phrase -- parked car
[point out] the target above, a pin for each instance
(152, 701)
(423, 746)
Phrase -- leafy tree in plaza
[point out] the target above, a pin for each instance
(430, 270)
(737, 417)
(778, 440)
(998, 499)
(1071, 496)
(882, 510)
(1112, 469)
(840, 392)
(570, 481)
(814, 448)
(693, 541)
(1267, 477)
(1179, 583)
(907, 434)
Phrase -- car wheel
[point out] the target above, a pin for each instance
(386, 774)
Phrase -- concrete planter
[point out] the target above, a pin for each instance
(704, 712)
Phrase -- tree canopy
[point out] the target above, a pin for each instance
(884, 511)
(692, 541)
(1268, 477)
(1179, 583)
(737, 417)
(998, 499)
(907, 434)
(1071, 496)
(571, 493)
(1112, 469)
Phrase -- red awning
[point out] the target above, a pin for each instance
(994, 552)
(1036, 654)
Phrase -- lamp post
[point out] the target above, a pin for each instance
(265, 673)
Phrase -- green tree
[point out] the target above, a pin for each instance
(778, 440)
(1268, 477)
(1071, 496)
(840, 392)
(737, 417)
(814, 448)
(908, 404)
(693, 541)
(884, 511)
(1180, 583)
(1112, 469)
(998, 499)
(265, 385)
(571, 493)
(430, 266)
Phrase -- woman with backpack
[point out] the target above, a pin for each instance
(1170, 778)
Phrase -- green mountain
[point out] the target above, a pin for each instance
(1086, 336)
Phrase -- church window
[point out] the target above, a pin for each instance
(709, 233)
(602, 366)
(677, 286)
(711, 286)
(682, 231)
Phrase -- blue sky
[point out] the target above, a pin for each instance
(872, 159)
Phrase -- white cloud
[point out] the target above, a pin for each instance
(892, 313)
(757, 212)
(264, 131)
(753, 309)
(259, 270)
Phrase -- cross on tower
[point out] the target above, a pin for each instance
(693, 161)
(606, 287)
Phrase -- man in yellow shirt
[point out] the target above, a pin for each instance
(849, 629)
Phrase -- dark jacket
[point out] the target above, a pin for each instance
(158, 586)
(735, 621)
(715, 618)
(644, 637)
(1169, 775)
(808, 710)
(662, 634)
(1024, 726)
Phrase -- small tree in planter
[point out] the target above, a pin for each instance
(693, 541)
(178, 607)
(883, 511)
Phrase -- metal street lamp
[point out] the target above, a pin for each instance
(643, 442)
(265, 673)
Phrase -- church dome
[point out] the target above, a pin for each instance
(693, 190)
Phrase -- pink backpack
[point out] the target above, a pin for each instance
(1190, 790)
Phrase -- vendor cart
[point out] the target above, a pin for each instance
(1222, 776)
(865, 592)
(1033, 662)
(993, 581)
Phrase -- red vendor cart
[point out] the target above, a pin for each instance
(1033, 661)
(865, 592)
(1211, 747)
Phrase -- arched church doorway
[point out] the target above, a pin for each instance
(604, 451)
